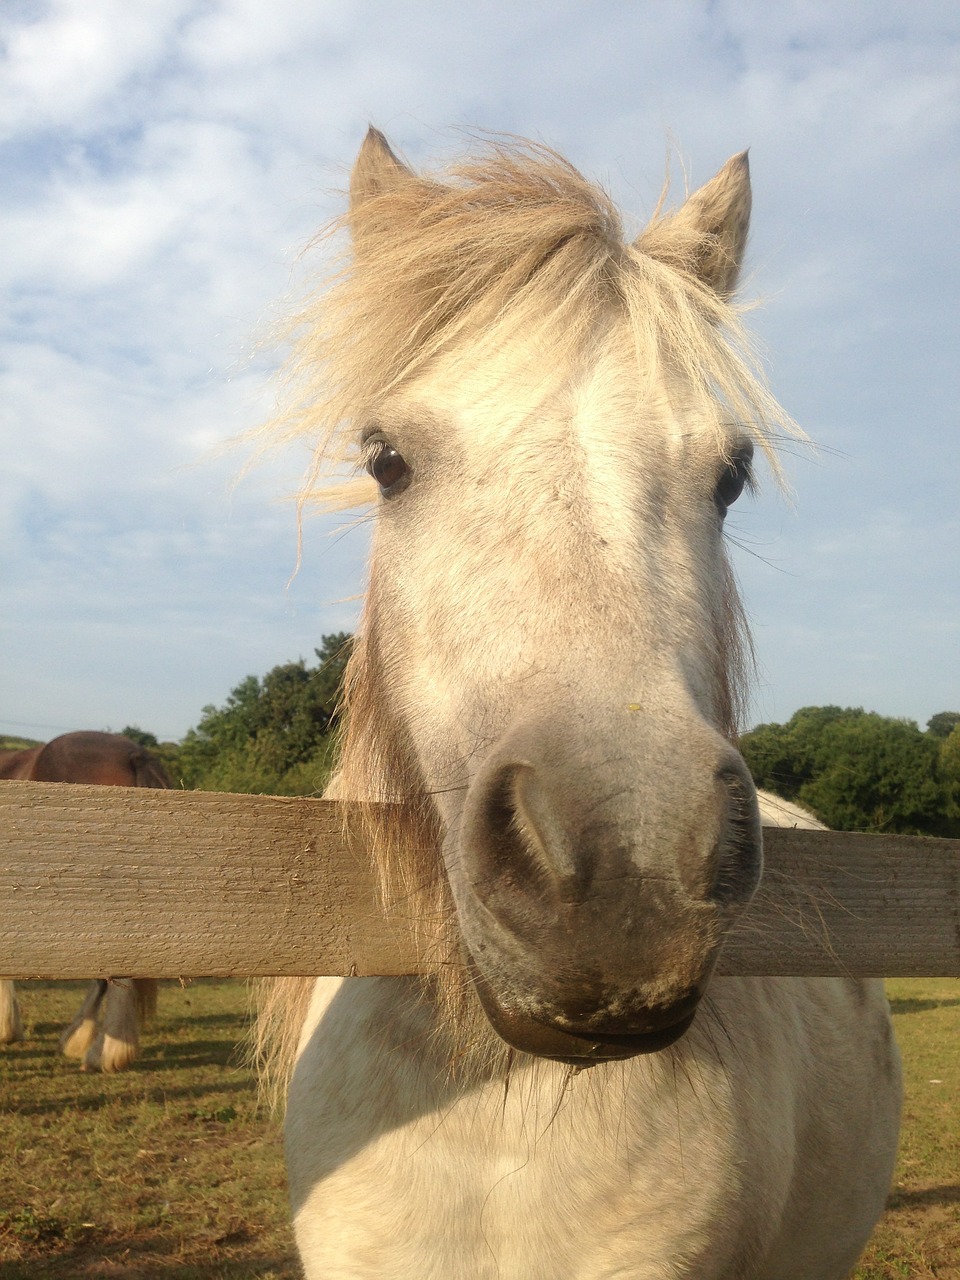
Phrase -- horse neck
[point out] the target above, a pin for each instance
(18, 764)
(378, 763)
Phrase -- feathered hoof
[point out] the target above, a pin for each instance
(11, 1031)
(108, 1054)
(11, 1026)
(78, 1037)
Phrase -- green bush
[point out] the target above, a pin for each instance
(275, 736)
(859, 771)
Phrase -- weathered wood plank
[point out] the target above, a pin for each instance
(110, 880)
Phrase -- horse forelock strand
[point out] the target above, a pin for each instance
(512, 245)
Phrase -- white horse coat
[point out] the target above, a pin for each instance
(546, 679)
(759, 1147)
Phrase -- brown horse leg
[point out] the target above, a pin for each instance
(129, 1000)
(11, 1028)
(80, 1034)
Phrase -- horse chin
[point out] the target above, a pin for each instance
(547, 1040)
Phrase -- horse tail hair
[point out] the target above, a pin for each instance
(148, 771)
(145, 994)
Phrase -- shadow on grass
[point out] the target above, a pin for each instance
(53, 1249)
(26, 1050)
(169, 1019)
(125, 1265)
(925, 1197)
(187, 1054)
(157, 1054)
(97, 1102)
(909, 1005)
(167, 1023)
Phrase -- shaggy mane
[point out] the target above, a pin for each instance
(514, 241)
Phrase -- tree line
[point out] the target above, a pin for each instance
(273, 736)
(860, 771)
(854, 769)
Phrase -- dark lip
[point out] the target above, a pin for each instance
(587, 1049)
(617, 1048)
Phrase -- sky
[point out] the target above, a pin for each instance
(162, 166)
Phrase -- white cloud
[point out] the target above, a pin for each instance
(166, 160)
(60, 65)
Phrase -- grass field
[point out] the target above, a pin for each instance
(170, 1170)
(919, 1235)
(166, 1170)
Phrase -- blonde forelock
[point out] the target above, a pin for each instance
(512, 242)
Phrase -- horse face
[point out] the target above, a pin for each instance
(554, 618)
(553, 609)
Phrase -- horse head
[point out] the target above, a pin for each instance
(556, 422)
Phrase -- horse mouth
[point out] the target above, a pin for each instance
(544, 1039)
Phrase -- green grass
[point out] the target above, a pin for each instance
(168, 1169)
(171, 1172)
(919, 1235)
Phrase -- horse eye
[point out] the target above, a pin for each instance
(387, 467)
(734, 478)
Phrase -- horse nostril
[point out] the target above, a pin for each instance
(501, 838)
(739, 854)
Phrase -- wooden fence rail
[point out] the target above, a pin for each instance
(97, 881)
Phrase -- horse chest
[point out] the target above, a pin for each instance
(549, 1177)
(708, 1163)
(450, 1196)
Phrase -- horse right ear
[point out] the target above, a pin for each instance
(376, 170)
(707, 235)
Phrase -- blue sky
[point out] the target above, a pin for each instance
(163, 163)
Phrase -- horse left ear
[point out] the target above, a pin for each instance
(376, 170)
(708, 233)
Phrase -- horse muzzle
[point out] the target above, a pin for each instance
(592, 922)
(650, 1030)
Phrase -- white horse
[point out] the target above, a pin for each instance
(546, 679)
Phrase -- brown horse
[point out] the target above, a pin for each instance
(101, 759)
